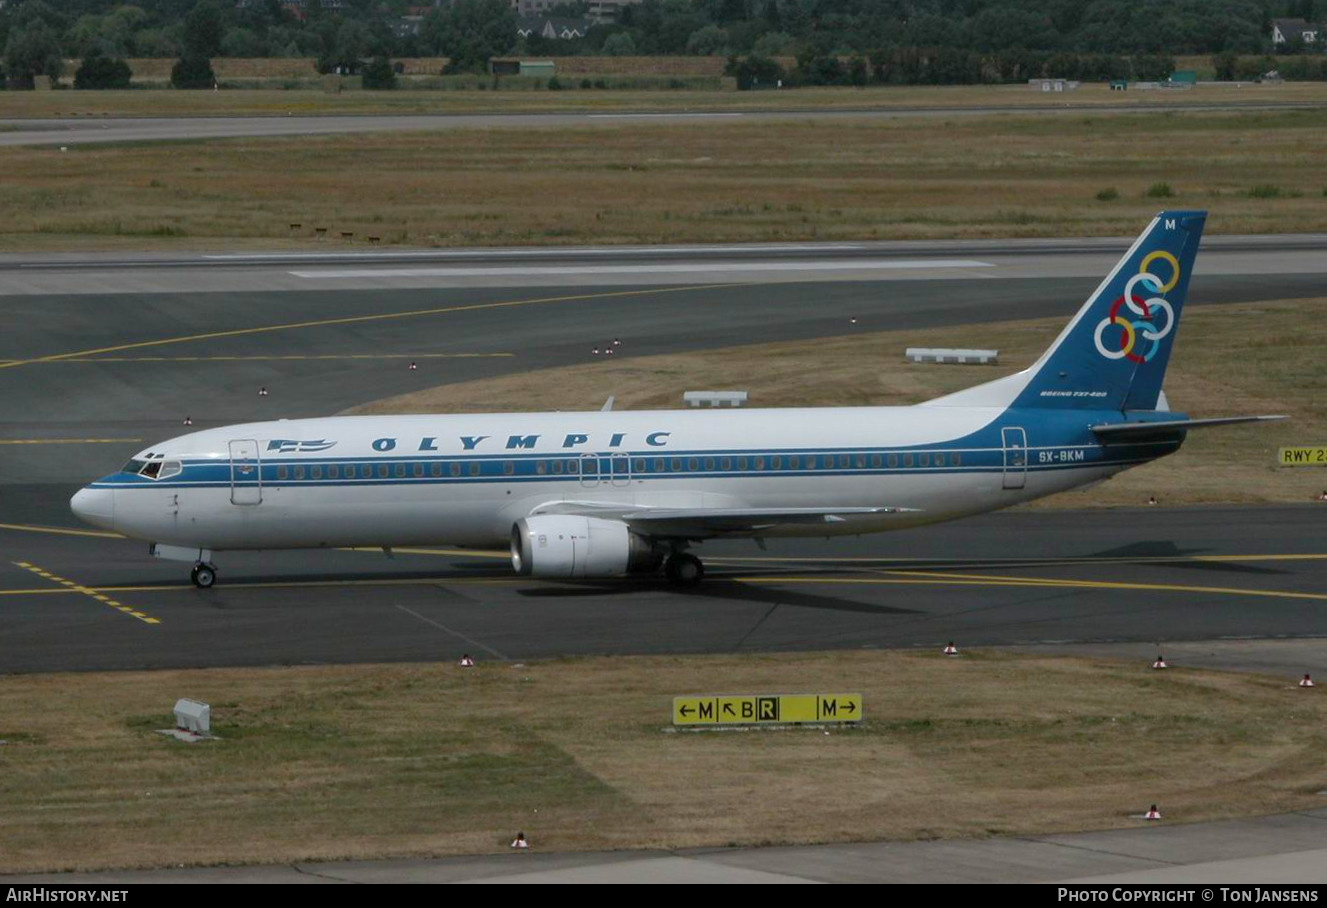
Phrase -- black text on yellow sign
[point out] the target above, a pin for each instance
(767, 709)
(1303, 457)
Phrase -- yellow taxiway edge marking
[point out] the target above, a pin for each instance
(46, 591)
(357, 319)
(61, 531)
(1120, 585)
(911, 578)
(273, 358)
(67, 441)
(1013, 562)
(300, 584)
(73, 587)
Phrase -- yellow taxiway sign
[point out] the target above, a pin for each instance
(766, 709)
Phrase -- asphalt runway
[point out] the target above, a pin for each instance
(104, 355)
(22, 131)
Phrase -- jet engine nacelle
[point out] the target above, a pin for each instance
(564, 545)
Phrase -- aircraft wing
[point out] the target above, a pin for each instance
(1136, 431)
(661, 521)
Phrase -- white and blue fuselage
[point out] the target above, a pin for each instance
(610, 493)
(464, 480)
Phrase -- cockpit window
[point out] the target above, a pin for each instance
(153, 469)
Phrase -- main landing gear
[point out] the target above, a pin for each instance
(203, 575)
(683, 569)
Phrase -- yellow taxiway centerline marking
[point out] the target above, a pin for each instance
(67, 441)
(900, 578)
(920, 578)
(73, 587)
(1117, 585)
(59, 531)
(357, 319)
(947, 563)
(291, 356)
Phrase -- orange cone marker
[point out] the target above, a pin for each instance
(951, 649)
(1307, 681)
(520, 841)
(1161, 662)
(1152, 813)
(467, 662)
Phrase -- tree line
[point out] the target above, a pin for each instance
(896, 40)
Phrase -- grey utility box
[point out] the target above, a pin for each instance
(715, 398)
(938, 355)
(193, 715)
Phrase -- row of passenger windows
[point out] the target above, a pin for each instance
(594, 466)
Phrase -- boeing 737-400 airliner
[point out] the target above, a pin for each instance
(601, 494)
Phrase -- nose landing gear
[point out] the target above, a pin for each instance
(203, 575)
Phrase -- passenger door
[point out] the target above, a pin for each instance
(246, 473)
(1015, 457)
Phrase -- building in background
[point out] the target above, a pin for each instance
(599, 12)
(1291, 31)
(552, 29)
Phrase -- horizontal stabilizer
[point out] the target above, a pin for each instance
(1134, 431)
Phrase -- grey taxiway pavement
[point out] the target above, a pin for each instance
(96, 129)
(91, 372)
(1282, 850)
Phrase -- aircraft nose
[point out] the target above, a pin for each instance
(94, 506)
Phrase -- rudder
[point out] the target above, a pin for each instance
(1113, 354)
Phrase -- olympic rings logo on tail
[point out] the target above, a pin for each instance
(1140, 320)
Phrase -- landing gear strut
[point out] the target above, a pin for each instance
(683, 569)
(203, 575)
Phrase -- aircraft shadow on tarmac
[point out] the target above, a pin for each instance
(1186, 559)
(715, 588)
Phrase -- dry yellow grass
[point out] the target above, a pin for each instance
(653, 182)
(968, 176)
(1221, 366)
(369, 761)
(156, 68)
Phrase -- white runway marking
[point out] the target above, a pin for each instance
(692, 268)
(527, 253)
(442, 627)
(660, 116)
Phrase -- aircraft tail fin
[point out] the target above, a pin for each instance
(1113, 354)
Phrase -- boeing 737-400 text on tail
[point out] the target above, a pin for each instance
(602, 494)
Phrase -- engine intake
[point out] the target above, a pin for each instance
(563, 545)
